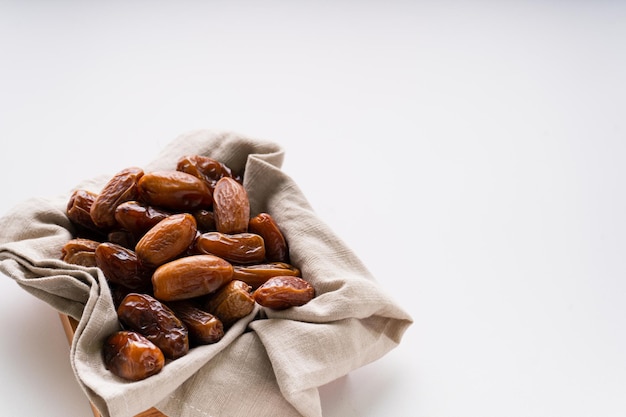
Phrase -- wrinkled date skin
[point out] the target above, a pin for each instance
(239, 248)
(231, 206)
(256, 275)
(121, 266)
(138, 218)
(264, 225)
(167, 239)
(122, 187)
(174, 190)
(279, 293)
(207, 169)
(132, 356)
(204, 328)
(80, 251)
(79, 207)
(190, 276)
(231, 302)
(157, 322)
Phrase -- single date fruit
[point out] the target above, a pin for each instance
(276, 250)
(157, 322)
(121, 266)
(132, 356)
(204, 328)
(174, 190)
(239, 248)
(122, 187)
(79, 210)
(138, 218)
(231, 302)
(190, 276)
(255, 275)
(231, 206)
(207, 169)
(167, 239)
(282, 292)
(80, 251)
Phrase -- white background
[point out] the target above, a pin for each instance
(471, 153)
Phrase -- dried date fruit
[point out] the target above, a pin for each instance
(231, 206)
(240, 248)
(79, 207)
(255, 275)
(190, 276)
(85, 258)
(121, 266)
(204, 328)
(157, 322)
(205, 220)
(80, 251)
(132, 356)
(182, 257)
(174, 190)
(279, 293)
(263, 224)
(207, 169)
(231, 302)
(122, 187)
(138, 218)
(167, 239)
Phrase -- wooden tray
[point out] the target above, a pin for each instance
(69, 325)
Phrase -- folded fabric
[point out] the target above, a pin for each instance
(269, 363)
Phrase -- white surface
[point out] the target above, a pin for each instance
(484, 183)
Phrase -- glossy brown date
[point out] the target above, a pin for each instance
(231, 302)
(79, 207)
(279, 293)
(80, 251)
(122, 187)
(132, 356)
(240, 248)
(256, 275)
(157, 322)
(121, 266)
(207, 169)
(167, 239)
(231, 206)
(190, 276)
(174, 190)
(138, 218)
(276, 250)
(204, 328)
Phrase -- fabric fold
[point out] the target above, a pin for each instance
(270, 363)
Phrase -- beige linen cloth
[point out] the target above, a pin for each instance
(269, 364)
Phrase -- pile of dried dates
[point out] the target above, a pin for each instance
(183, 257)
